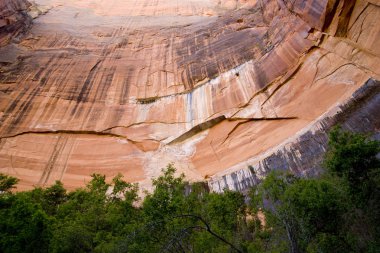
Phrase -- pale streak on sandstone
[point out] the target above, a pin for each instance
(213, 86)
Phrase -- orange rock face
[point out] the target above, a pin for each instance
(212, 86)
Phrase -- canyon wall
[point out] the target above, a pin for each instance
(14, 19)
(225, 90)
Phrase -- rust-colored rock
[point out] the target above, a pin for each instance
(212, 86)
(14, 19)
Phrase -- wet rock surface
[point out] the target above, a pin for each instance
(226, 90)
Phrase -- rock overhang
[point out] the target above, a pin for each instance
(110, 86)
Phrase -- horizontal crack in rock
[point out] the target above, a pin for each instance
(78, 132)
(246, 120)
(213, 122)
(65, 132)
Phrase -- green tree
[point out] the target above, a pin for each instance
(183, 217)
(7, 182)
(167, 197)
(316, 206)
(53, 197)
(94, 219)
(353, 157)
(24, 226)
(304, 209)
(269, 198)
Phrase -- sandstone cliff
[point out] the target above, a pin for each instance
(226, 90)
(14, 19)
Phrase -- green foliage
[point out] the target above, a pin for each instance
(98, 184)
(24, 226)
(315, 207)
(7, 182)
(53, 197)
(305, 212)
(91, 220)
(179, 216)
(338, 212)
(353, 157)
(167, 198)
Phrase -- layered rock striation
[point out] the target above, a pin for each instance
(14, 19)
(226, 90)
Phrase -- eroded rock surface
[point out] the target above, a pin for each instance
(216, 87)
(14, 19)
